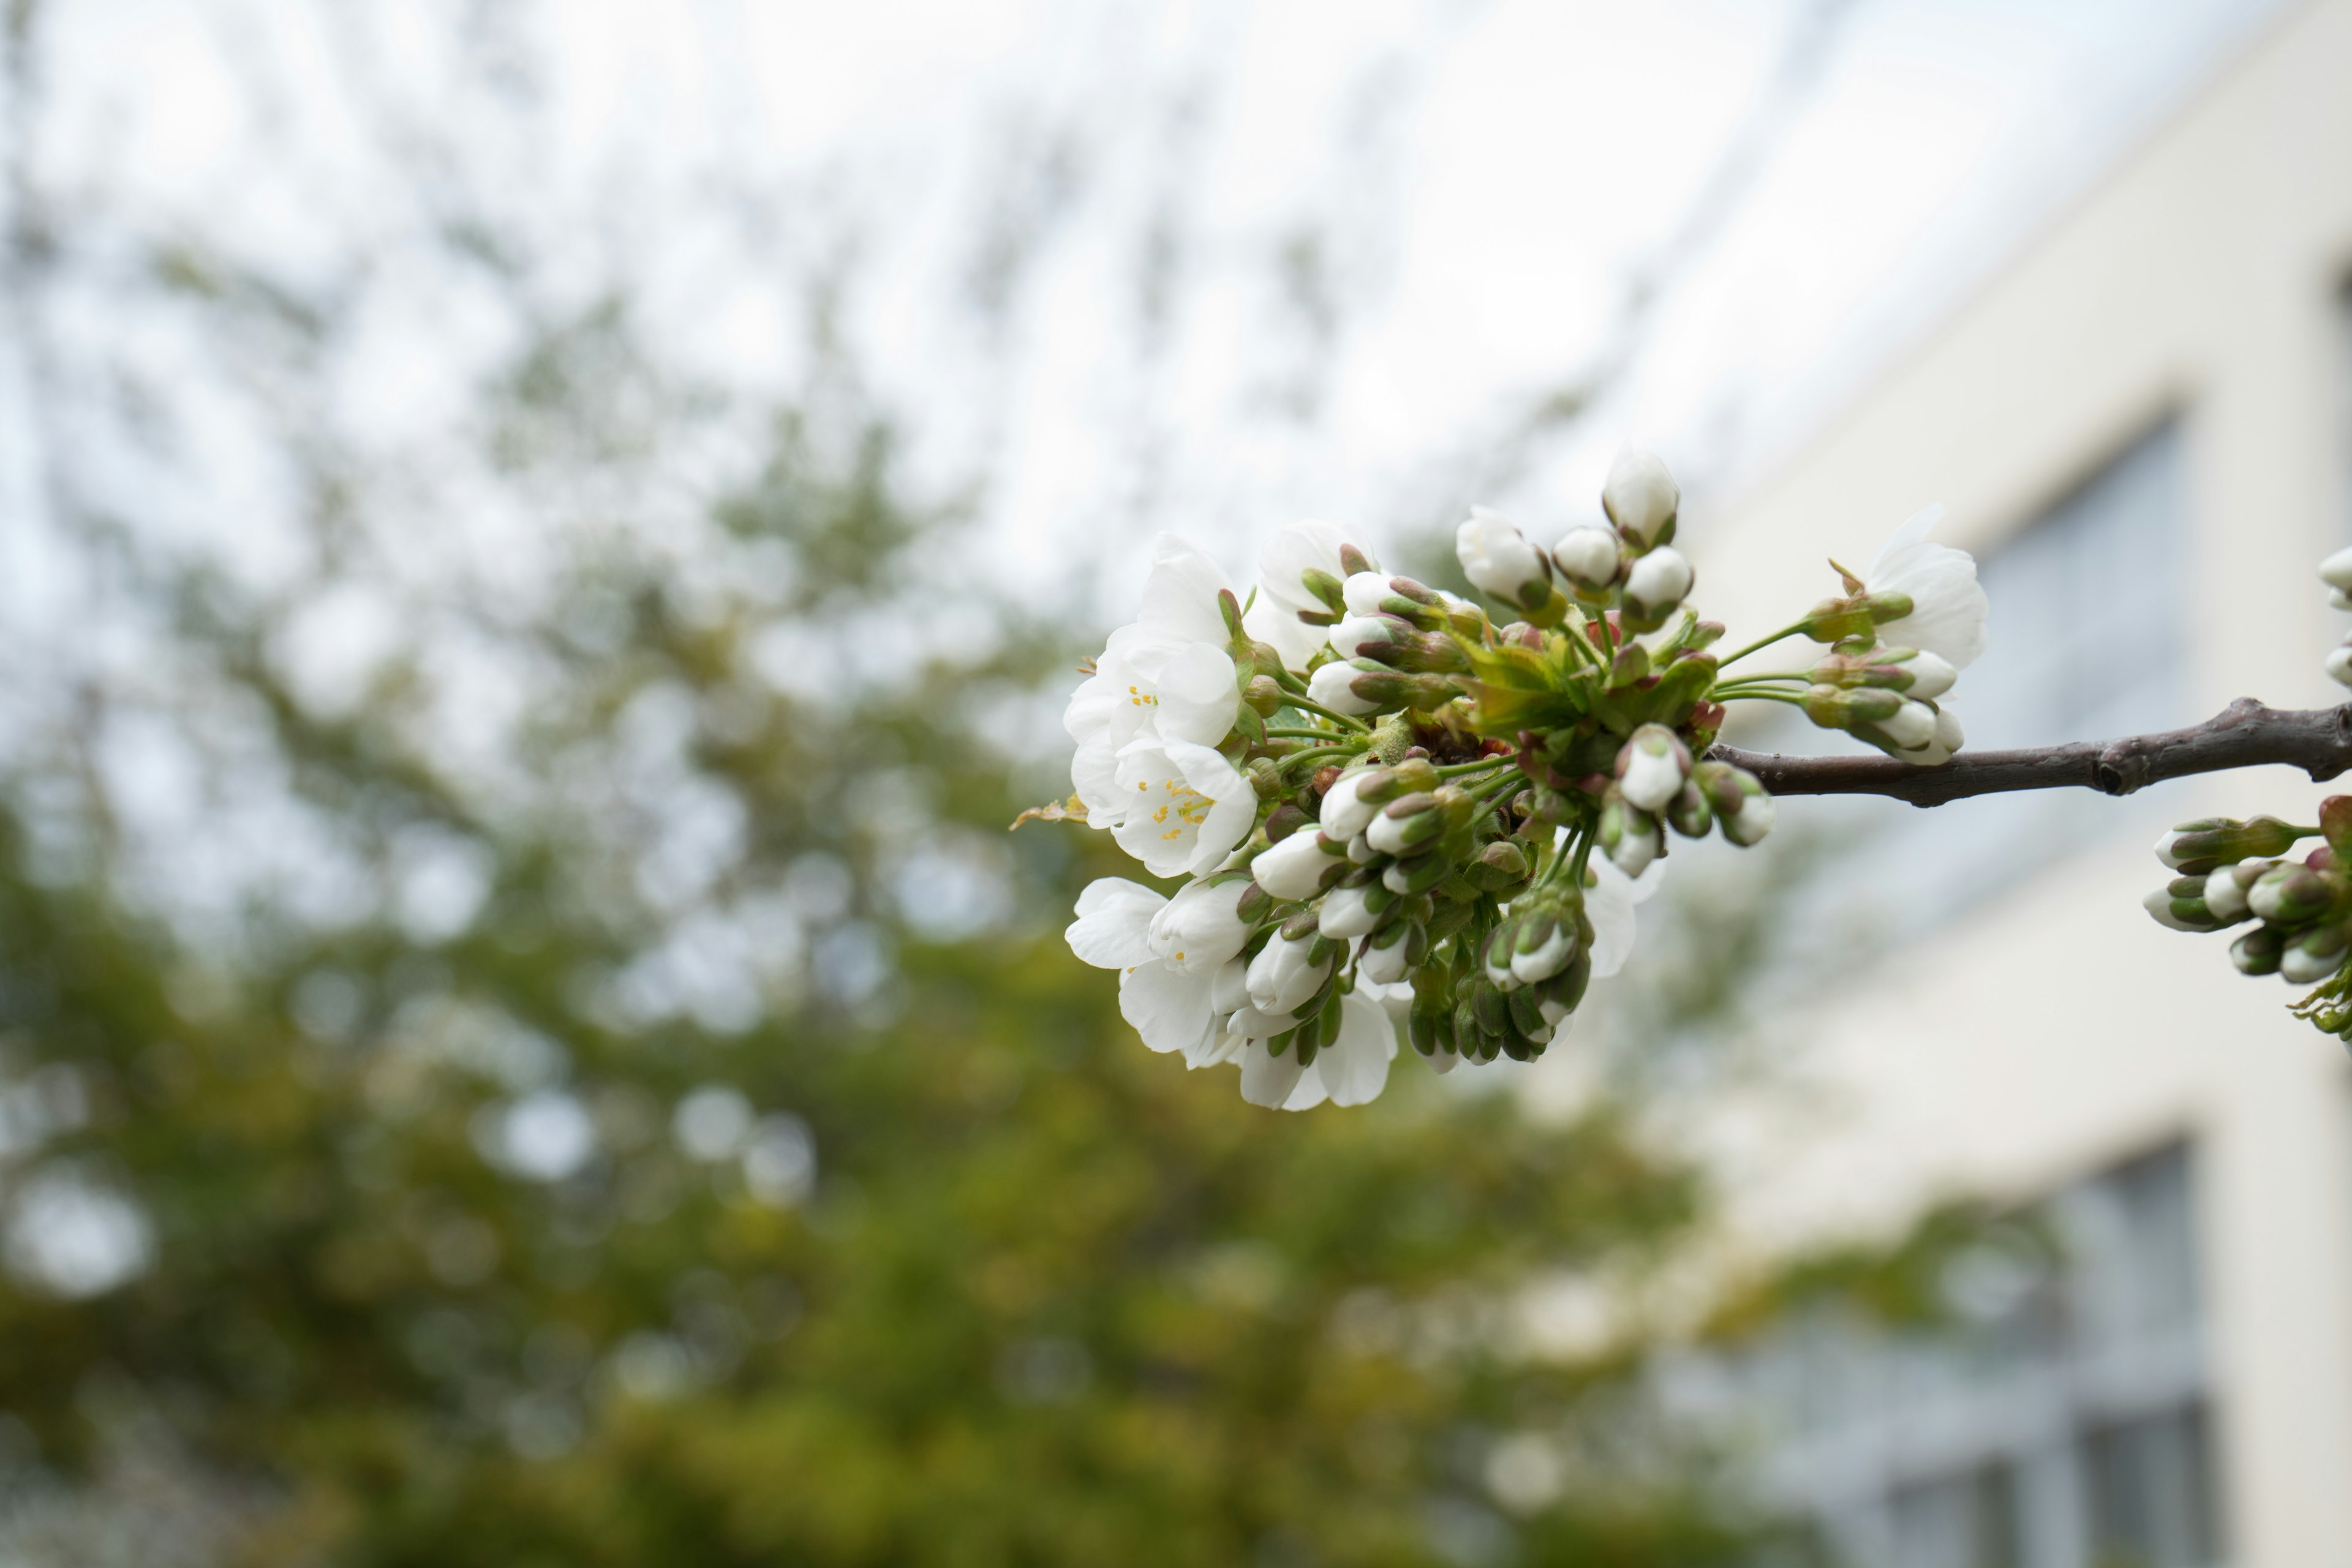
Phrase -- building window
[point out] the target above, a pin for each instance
(2065, 1426)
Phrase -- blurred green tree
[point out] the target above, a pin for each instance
(523, 1038)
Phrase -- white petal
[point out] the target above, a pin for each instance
(1308, 1092)
(1170, 1011)
(1094, 773)
(1179, 598)
(1197, 695)
(1610, 902)
(1278, 624)
(1268, 1080)
(1113, 930)
(1355, 1067)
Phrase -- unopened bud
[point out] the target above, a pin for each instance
(2177, 913)
(2313, 956)
(1640, 497)
(1498, 560)
(1348, 912)
(1689, 813)
(2225, 891)
(1629, 836)
(1345, 810)
(2259, 951)
(2338, 664)
(1369, 636)
(2291, 894)
(1498, 866)
(1301, 866)
(1589, 557)
(1417, 874)
(1405, 822)
(2337, 570)
(1355, 688)
(1651, 767)
(1657, 582)
(1740, 800)
(2210, 841)
(1542, 946)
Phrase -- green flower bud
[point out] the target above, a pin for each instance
(2291, 894)
(2259, 951)
(1690, 812)
(2199, 845)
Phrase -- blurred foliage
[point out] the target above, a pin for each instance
(745, 1172)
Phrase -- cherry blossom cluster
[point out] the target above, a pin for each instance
(2228, 872)
(1394, 810)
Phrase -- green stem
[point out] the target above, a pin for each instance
(1313, 751)
(1585, 838)
(1789, 698)
(1302, 704)
(1452, 768)
(1303, 734)
(1787, 631)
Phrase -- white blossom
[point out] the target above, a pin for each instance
(1947, 606)
(1283, 594)
(1496, 557)
(1186, 808)
(1202, 928)
(1640, 496)
(1167, 674)
(1349, 1070)
(1609, 900)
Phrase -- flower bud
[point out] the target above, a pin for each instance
(2178, 914)
(1498, 559)
(1283, 977)
(1588, 558)
(1500, 865)
(2290, 894)
(2337, 570)
(1912, 726)
(1300, 866)
(1652, 766)
(1326, 588)
(1334, 687)
(2210, 841)
(1350, 912)
(1931, 675)
(1345, 810)
(2337, 599)
(1629, 836)
(1690, 812)
(1640, 497)
(1740, 800)
(2259, 951)
(1494, 957)
(2225, 891)
(1365, 637)
(2313, 956)
(2338, 664)
(1542, 945)
(1391, 954)
(1417, 874)
(1404, 824)
(1658, 582)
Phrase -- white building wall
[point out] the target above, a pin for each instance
(2055, 1028)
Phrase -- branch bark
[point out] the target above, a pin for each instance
(2245, 734)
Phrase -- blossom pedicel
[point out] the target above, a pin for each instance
(1392, 807)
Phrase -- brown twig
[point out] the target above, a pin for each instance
(2245, 734)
